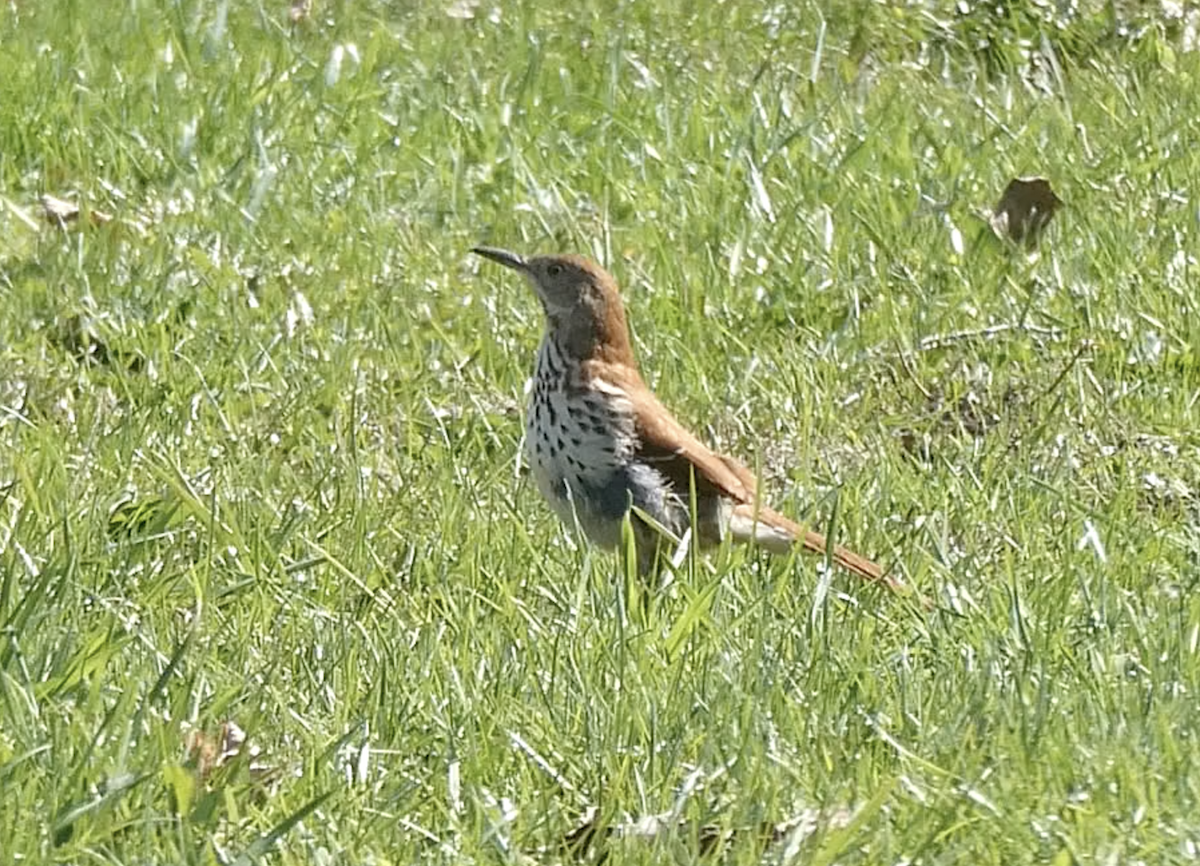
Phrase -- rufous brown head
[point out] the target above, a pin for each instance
(582, 304)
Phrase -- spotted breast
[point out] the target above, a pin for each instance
(581, 446)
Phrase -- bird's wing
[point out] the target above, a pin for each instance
(667, 445)
(679, 456)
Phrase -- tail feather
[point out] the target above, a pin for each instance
(777, 534)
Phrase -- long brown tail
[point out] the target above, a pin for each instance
(777, 534)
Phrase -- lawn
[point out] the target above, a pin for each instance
(260, 417)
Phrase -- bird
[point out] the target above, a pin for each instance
(601, 445)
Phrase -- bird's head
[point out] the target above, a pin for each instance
(582, 303)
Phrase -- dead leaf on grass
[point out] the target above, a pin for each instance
(1024, 210)
(206, 752)
(61, 213)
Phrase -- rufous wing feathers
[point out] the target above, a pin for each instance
(681, 457)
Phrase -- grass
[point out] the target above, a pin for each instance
(258, 433)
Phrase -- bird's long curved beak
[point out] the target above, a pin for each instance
(504, 257)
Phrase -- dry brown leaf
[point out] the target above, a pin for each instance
(60, 212)
(209, 752)
(1025, 209)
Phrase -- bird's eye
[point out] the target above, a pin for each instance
(553, 270)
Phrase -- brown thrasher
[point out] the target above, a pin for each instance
(599, 441)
